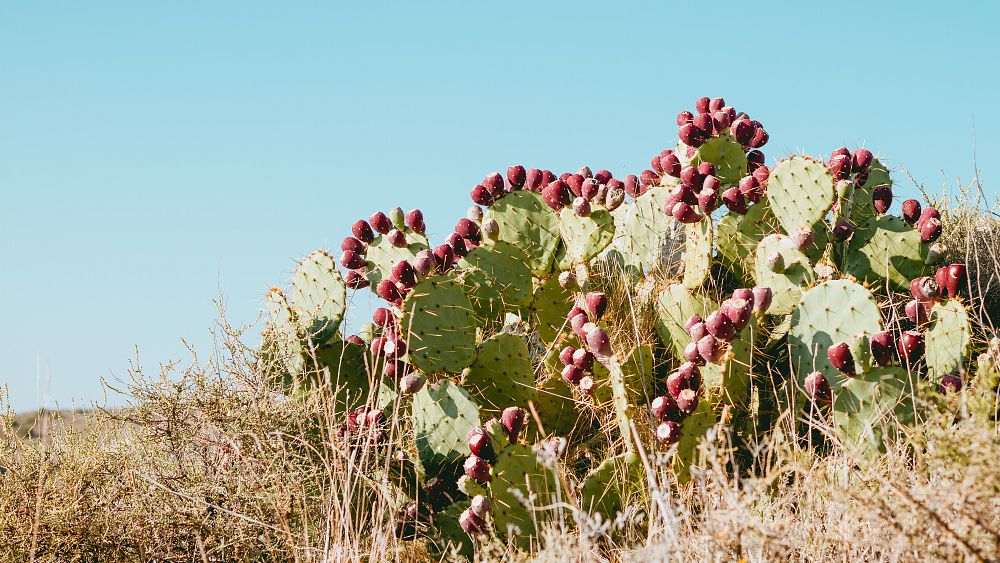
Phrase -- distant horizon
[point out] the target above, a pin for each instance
(154, 158)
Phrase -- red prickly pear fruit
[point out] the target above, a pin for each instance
(930, 231)
(583, 359)
(762, 299)
(577, 323)
(575, 184)
(494, 183)
(842, 231)
(690, 177)
(668, 432)
(841, 358)
(710, 182)
(950, 384)
(377, 346)
(552, 194)
(603, 176)
(355, 340)
(755, 159)
(751, 189)
(663, 408)
(512, 421)
(691, 321)
(444, 256)
(706, 169)
(481, 196)
(354, 245)
(648, 178)
(760, 138)
(883, 347)
(599, 343)
(397, 238)
(410, 384)
(842, 151)
(686, 213)
(925, 289)
(840, 166)
(762, 174)
(719, 326)
(566, 355)
(742, 130)
(471, 524)
(477, 469)
(516, 176)
(955, 279)
(698, 331)
(670, 165)
(467, 228)
(585, 172)
(532, 179)
(803, 237)
(404, 273)
(882, 199)
(862, 159)
(382, 317)
(721, 120)
(423, 262)
(687, 401)
(744, 293)
(690, 135)
(352, 260)
(363, 231)
(817, 387)
(941, 279)
(911, 211)
(738, 311)
(735, 201)
(480, 443)
(684, 117)
(394, 348)
(926, 214)
(691, 354)
(916, 312)
(701, 105)
(632, 186)
(380, 222)
(572, 374)
(590, 190)
(581, 207)
(654, 163)
(574, 312)
(910, 347)
(586, 385)
(597, 303)
(716, 104)
(687, 376)
(480, 506)
(711, 349)
(356, 279)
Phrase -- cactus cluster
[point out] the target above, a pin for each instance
(509, 315)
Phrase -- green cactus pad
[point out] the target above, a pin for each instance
(728, 383)
(636, 377)
(443, 414)
(606, 487)
(496, 279)
(645, 237)
(583, 237)
(626, 386)
(502, 375)
(550, 306)
(787, 285)
(698, 253)
(673, 307)
(555, 406)
(439, 326)
(343, 367)
(829, 313)
(285, 343)
(947, 338)
(867, 408)
(319, 296)
(862, 207)
(737, 237)
(800, 192)
(885, 247)
(727, 155)
(520, 484)
(382, 256)
(448, 536)
(527, 223)
(693, 431)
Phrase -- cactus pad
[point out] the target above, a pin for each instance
(382, 255)
(496, 279)
(947, 338)
(527, 223)
(737, 237)
(443, 414)
(282, 333)
(829, 313)
(555, 406)
(520, 484)
(583, 237)
(795, 275)
(727, 155)
(868, 407)
(502, 375)
(885, 247)
(449, 535)
(673, 307)
(603, 489)
(550, 306)
(342, 366)
(693, 431)
(698, 253)
(646, 234)
(319, 296)
(800, 192)
(439, 325)
(862, 207)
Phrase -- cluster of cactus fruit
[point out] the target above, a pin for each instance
(505, 317)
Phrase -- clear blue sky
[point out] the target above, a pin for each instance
(154, 155)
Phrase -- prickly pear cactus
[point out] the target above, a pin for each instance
(861, 202)
(381, 255)
(693, 432)
(556, 407)
(443, 414)
(646, 235)
(583, 237)
(781, 266)
(319, 296)
(737, 237)
(885, 247)
(496, 279)
(800, 192)
(607, 487)
(520, 484)
(283, 336)
(440, 326)
(501, 375)
(698, 253)
(673, 307)
(727, 155)
(344, 369)
(549, 308)
(527, 223)
(868, 408)
(948, 337)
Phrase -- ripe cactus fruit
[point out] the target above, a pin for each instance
(817, 387)
(566, 355)
(572, 374)
(581, 206)
(735, 201)
(512, 421)
(711, 349)
(738, 311)
(555, 195)
(577, 322)
(423, 262)
(477, 469)
(404, 273)
(930, 230)
(840, 357)
(925, 289)
(598, 342)
(720, 326)
(668, 432)
(516, 176)
(911, 347)
(862, 159)
(444, 256)
(687, 376)
(533, 180)
(481, 196)
(415, 221)
(842, 231)
(353, 244)
(597, 303)
(356, 279)
(351, 260)
(380, 222)
(762, 297)
(911, 211)
(883, 348)
(687, 401)
(583, 359)
(955, 279)
(882, 199)
(467, 229)
(363, 231)
(396, 238)
(480, 506)
(663, 408)
(916, 312)
(950, 384)
(411, 383)
(480, 444)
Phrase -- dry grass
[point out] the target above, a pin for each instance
(206, 463)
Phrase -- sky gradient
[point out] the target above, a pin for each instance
(157, 156)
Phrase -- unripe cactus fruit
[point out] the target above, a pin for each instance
(711, 349)
(803, 237)
(930, 230)
(597, 303)
(598, 342)
(817, 387)
(955, 279)
(475, 213)
(363, 231)
(583, 359)
(477, 469)
(480, 444)
(950, 384)
(397, 238)
(572, 374)
(352, 260)
(380, 222)
(354, 245)
(762, 299)
(412, 383)
(882, 199)
(735, 201)
(586, 385)
(841, 358)
(687, 401)
(911, 211)
(862, 159)
(720, 326)
(512, 420)
(668, 432)
(883, 347)
(911, 347)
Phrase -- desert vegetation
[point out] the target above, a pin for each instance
(713, 359)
